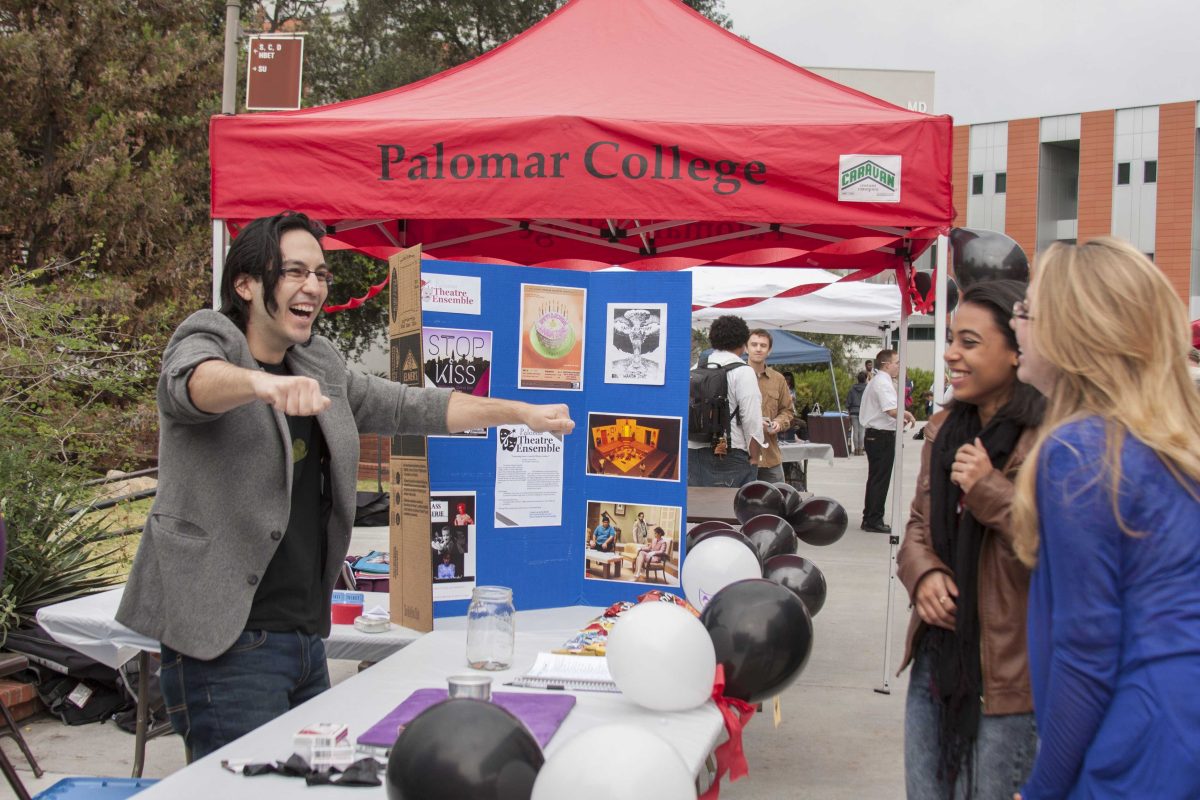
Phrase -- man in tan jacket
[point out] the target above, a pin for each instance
(777, 410)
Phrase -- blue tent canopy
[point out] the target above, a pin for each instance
(790, 348)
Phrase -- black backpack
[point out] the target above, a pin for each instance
(708, 403)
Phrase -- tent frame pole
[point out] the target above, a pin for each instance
(897, 516)
(219, 245)
(940, 315)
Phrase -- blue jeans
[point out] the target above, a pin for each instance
(1004, 749)
(263, 675)
(732, 469)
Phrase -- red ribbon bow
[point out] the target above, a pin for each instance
(730, 756)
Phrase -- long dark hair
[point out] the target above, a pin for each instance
(1026, 405)
(255, 252)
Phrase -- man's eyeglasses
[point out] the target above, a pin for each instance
(1021, 311)
(300, 274)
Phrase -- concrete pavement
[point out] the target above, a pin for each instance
(838, 738)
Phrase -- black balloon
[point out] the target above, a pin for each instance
(980, 255)
(703, 528)
(757, 497)
(463, 748)
(791, 498)
(801, 576)
(770, 535)
(762, 635)
(820, 521)
(924, 283)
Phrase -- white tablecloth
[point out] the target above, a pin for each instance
(364, 699)
(89, 625)
(803, 451)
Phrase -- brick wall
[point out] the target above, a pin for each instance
(367, 458)
(959, 177)
(1020, 209)
(1097, 131)
(1176, 174)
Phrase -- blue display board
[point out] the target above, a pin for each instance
(637, 460)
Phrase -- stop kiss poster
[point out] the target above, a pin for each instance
(461, 360)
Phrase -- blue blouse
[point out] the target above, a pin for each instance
(1114, 624)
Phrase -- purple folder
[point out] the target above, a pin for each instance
(541, 713)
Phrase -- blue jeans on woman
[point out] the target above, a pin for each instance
(1004, 748)
(262, 676)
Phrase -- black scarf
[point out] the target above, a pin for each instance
(957, 538)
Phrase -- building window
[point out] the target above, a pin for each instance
(1123, 173)
(1001, 182)
(976, 184)
(1150, 172)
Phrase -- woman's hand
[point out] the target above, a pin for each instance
(971, 463)
(935, 598)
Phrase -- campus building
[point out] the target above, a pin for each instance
(1128, 172)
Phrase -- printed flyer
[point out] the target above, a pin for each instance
(460, 360)
(452, 544)
(529, 478)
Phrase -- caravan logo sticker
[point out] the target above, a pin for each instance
(869, 179)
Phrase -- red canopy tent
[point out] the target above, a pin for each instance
(634, 133)
(614, 132)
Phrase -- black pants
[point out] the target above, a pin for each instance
(881, 451)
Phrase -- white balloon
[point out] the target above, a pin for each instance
(714, 564)
(661, 657)
(620, 761)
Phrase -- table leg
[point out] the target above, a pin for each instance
(143, 714)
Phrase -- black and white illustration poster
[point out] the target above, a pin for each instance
(452, 544)
(636, 343)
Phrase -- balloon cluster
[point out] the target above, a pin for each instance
(757, 597)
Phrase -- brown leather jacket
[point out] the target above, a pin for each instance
(1003, 581)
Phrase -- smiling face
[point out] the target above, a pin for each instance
(982, 363)
(1032, 368)
(297, 301)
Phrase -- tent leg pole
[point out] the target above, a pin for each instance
(939, 322)
(897, 505)
(218, 253)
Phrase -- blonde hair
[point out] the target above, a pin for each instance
(1109, 322)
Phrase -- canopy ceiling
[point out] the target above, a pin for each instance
(635, 133)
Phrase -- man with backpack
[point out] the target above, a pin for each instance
(725, 426)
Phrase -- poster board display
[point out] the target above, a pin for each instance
(546, 563)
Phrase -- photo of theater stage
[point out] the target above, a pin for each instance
(633, 446)
(633, 528)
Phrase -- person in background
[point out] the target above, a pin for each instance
(259, 422)
(968, 725)
(853, 405)
(1108, 515)
(641, 534)
(737, 464)
(869, 368)
(880, 414)
(777, 411)
(445, 569)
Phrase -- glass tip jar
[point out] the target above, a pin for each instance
(491, 628)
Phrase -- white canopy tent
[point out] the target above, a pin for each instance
(850, 307)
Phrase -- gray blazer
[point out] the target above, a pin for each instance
(224, 489)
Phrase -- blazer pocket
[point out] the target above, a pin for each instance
(175, 526)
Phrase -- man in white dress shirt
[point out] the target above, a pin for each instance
(878, 414)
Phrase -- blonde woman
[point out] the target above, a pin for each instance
(1108, 509)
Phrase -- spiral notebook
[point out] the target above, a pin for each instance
(568, 672)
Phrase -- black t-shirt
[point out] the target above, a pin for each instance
(289, 594)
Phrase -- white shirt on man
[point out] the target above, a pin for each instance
(877, 400)
(745, 397)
